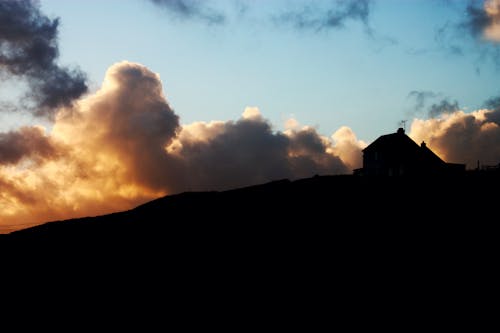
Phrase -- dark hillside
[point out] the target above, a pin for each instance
(370, 251)
(326, 208)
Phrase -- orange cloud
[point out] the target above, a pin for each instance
(461, 137)
(124, 145)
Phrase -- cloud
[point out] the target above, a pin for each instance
(421, 98)
(444, 106)
(28, 49)
(26, 143)
(484, 22)
(445, 36)
(191, 9)
(124, 145)
(478, 33)
(335, 16)
(493, 103)
(348, 147)
(221, 155)
(462, 137)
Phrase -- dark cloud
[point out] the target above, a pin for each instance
(25, 143)
(443, 107)
(28, 49)
(192, 9)
(493, 104)
(335, 16)
(476, 19)
(421, 98)
(247, 151)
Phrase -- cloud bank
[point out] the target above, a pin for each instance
(461, 137)
(29, 50)
(124, 145)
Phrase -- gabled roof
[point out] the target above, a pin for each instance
(401, 143)
(398, 141)
(429, 154)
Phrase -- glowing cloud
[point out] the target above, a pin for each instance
(461, 137)
(124, 145)
(348, 147)
(484, 21)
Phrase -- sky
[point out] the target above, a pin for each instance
(107, 104)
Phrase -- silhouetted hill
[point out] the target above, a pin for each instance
(369, 251)
(318, 208)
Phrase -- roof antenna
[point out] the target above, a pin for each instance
(402, 124)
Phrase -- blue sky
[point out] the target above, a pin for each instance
(323, 77)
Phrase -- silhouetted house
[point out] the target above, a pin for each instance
(397, 154)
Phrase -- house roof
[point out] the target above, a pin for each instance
(393, 141)
(429, 154)
(402, 143)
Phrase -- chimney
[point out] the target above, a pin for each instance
(401, 130)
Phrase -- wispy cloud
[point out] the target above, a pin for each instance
(192, 9)
(421, 98)
(425, 101)
(334, 16)
(477, 33)
(443, 107)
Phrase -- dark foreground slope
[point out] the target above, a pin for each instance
(334, 252)
(328, 209)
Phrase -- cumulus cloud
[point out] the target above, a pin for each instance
(191, 9)
(29, 50)
(221, 155)
(461, 137)
(348, 147)
(335, 16)
(124, 145)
